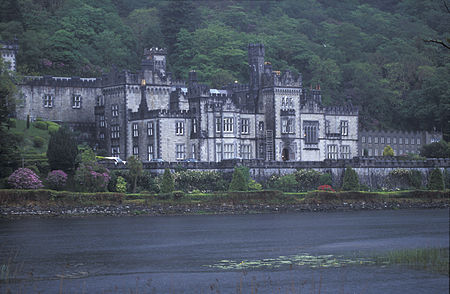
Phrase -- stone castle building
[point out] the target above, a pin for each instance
(152, 116)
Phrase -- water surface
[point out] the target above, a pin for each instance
(179, 254)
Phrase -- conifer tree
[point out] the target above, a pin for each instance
(351, 181)
(135, 170)
(167, 185)
(436, 181)
(62, 150)
(238, 182)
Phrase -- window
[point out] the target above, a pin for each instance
(287, 125)
(228, 125)
(376, 152)
(150, 128)
(370, 152)
(194, 126)
(193, 151)
(218, 152)
(261, 150)
(332, 152)
(115, 110)
(115, 152)
(101, 136)
(376, 140)
(394, 140)
(135, 130)
(99, 101)
(218, 124)
(406, 141)
(115, 132)
(412, 141)
(388, 140)
(136, 151)
(261, 126)
(363, 139)
(228, 151)
(180, 151)
(311, 132)
(400, 140)
(382, 140)
(369, 140)
(246, 151)
(344, 128)
(102, 121)
(327, 127)
(48, 101)
(345, 151)
(179, 128)
(76, 101)
(418, 141)
(245, 123)
(150, 153)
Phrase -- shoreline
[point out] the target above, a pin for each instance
(17, 212)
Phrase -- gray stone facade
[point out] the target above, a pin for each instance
(8, 53)
(148, 114)
(373, 142)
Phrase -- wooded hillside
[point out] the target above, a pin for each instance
(368, 52)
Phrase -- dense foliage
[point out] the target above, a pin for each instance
(439, 149)
(368, 52)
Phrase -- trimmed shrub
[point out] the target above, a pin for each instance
(40, 125)
(238, 182)
(24, 178)
(435, 180)
(56, 179)
(121, 185)
(254, 185)
(167, 184)
(351, 181)
(38, 142)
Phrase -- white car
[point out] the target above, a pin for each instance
(116, 160)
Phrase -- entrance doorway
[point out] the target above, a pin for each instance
(285, 154)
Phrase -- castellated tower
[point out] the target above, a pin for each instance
(256, 65)
(154, 63)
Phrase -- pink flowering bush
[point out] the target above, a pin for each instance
(24, 178)
(92, 177)
(56, 179)
(326, 188)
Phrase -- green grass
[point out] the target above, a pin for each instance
(431, 259)
(28, 135)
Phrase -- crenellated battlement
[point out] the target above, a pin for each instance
(62, 81)
(348, 109)
(286, 79)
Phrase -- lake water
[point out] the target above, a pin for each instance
(266, 253)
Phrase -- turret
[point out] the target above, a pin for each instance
(154, 59)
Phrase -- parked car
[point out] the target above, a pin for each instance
(157, 160)
(116, 160)
(190, 160)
